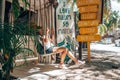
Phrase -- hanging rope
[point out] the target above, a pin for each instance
(40, 15)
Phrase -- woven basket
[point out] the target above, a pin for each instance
(87, 16)
(88, 23)
(87, 9)
(87, 2)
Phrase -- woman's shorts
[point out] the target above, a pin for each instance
(49, 50)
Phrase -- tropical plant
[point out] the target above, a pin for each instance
(109, 22)
(102, 29)
(110, 18)
(119, 23)
(16, 7)
(12, 43)
(118, 1)
(106, 8)
(13, 40)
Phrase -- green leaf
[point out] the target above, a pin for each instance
(26, 4)
(16, 8)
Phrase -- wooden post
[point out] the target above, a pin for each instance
(91, 12)
(2, 14)
(80, 50)
(55, 25)
(100, 12)
(55, 4)
(88, 49)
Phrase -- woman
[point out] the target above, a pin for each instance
(50, 48)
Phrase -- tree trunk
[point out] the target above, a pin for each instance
(2, 8)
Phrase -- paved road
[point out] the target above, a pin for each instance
(105, 47)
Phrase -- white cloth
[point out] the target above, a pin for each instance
(48, 45)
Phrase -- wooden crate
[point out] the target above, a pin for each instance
(87, 2)
(87, 9)
(88, 23)
(87, 16)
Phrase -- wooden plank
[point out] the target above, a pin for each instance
(87, 16)
(86, 9)
(88, 38)
(91, 30)
(100, 12)
(22, 61)
(28, 59)
(88, 23)
(88, 50)
(87, 2)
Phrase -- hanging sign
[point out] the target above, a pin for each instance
(65, 21)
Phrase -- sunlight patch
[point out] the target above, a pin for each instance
(36, 77)
(55, 72)
(34, 69)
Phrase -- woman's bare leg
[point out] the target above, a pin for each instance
(72, 57)
(65, 51)
(62, 52)
(62, 58)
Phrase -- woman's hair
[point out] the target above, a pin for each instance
(37, 29)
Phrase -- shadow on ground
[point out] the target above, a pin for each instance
(103, 66)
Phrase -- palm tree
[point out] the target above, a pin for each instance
(110, 18)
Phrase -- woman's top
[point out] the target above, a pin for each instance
(48, 44)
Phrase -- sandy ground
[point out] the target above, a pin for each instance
(103, 66)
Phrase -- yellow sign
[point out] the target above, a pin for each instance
(88, 38)
(91, 30)
(88, 23)
(88, 16)
(87, 2)
(86, 9)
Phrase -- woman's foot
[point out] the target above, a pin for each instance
(79, 64)
(62, 66)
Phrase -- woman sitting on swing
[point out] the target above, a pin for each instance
(50, 48)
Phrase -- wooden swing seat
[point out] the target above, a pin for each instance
(47, 58)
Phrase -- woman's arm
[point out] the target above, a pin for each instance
(47, 36)
(53, 36)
